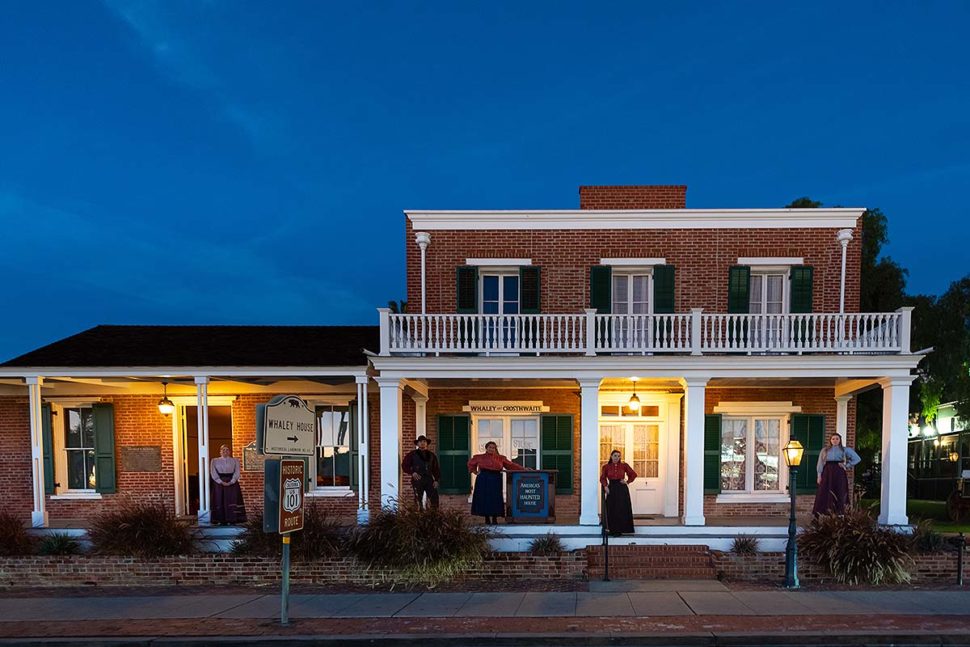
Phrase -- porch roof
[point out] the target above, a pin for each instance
(205, 346)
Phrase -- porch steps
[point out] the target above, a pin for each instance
(633, 562)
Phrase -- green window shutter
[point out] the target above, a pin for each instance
(809, 430)
(454, 444)
(712, 453)
(354, 446)
(104, 448)
(601, 288)
(47, 434)
(556, 449)
(739, 283)
(663, 289)
(801, 288)
(530, 293)
(467, 300)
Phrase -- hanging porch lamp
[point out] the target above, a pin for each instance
(634, 403)
(165, 406)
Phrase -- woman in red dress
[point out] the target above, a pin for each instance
(487, 498)
(619, 510)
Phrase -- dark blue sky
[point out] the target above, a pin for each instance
(247, 162)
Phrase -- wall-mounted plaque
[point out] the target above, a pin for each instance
(141, 459)
(252, 461)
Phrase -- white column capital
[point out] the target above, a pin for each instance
(201, 379)
(590, 383)
(897, 381)
(420, 399)
(390, 382)
(694, 382)
(843, 398)
(33, 379)
(361, 379)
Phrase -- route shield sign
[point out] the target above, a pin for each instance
(285, 426)
(284, 495)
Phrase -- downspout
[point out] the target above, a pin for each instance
(423, 239)
(844, 236)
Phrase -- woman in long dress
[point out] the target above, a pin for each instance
(833, 483)
(487, 498)
(619, 510)
(227, 498)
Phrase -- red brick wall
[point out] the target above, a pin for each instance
(559, 401)
(633, 197)
(15, 471)
(927, 568)
(702, 258)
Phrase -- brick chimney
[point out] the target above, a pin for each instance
(670, 196)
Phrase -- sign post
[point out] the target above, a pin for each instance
(285, 430)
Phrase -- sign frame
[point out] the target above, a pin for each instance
(284, 498)
(285, 426)
(545, 480)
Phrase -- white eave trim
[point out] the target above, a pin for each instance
(771, 260)
(633, 262)
(183, 371)
(498, 262)
(842, 218)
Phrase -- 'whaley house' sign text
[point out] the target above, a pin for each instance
(285, 426)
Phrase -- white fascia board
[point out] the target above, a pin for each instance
(636, 219)
(675, 366)
(183, 371)
(498, 262)
(771, 260)
(633, 262)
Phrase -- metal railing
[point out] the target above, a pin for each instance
(695, 333)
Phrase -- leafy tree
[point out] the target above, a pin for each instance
(398, 307)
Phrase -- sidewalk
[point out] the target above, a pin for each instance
(701, 612)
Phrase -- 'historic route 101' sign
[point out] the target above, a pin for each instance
(283, 495)
(285, 426)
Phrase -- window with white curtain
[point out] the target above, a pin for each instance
(751, 454)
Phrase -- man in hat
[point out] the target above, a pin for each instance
(421, 465)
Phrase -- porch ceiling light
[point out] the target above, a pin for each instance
(793, 453)
(165, 406)
(634, 403)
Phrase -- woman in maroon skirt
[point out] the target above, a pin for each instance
(619, 510)
(227, 499)
(833, 484)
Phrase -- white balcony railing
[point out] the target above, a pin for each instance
(695, 333)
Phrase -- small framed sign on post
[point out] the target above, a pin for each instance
(532, 496)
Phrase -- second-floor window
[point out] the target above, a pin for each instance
(500, 293)
(767, 292)
(631, 293)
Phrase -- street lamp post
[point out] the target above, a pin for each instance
(793, 458)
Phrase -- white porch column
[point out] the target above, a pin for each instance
(392, 392)
(589, 466)
(38, 517)
(694, 389)
(363, 469)
(202, 395)
(420, 414)
(895, 437)
(842, 416)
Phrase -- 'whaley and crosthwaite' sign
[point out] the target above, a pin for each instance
(504, 407)
(285, 426)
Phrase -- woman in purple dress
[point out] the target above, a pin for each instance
(227, 499)
(833, 484)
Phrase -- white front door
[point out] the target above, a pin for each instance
(639, 443)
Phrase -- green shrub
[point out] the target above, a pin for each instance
(745, 545)
(926, 539)
(548, 544)
(59, 543)
(423, 546)
(320, 538)
(854, 549)
(140, 530)
(14, 539)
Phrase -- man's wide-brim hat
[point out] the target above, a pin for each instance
(420, 438)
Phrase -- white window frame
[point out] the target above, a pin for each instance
(506, 439)
(628, 273)
(58, 420)
(752, 411)
(763, 271)
(501, 273)
(329, 490)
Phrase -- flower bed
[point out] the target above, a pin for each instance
(222, 569)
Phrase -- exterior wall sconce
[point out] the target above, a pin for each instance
(165, 406)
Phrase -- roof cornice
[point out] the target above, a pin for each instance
(637, 219)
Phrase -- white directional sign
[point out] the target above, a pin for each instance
(287, 427)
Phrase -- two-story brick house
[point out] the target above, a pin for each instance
(733, 330)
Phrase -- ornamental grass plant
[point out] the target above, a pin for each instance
(140, 530)
(59, 543)
(548, 544)
(745, 545)
(14, 540)
(320, 538)
(854, 549)
(421, 546)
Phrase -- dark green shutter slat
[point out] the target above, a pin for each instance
(801, 288)
(467, 290)
(663, 289)
(601, 288)
(809, 430)
(739, 282)
(454, 444)
(104, 448)
(556, 448)
(530, 286)
(47, 434)
(712, 453)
